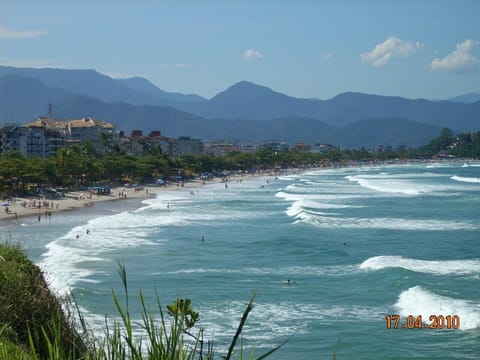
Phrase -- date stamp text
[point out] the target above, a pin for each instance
(417, 322)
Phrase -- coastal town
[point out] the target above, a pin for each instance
(44, 136)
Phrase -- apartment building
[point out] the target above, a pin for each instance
(185, 145)
(30, 141)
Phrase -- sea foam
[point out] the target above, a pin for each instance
(419, 301)
(436, 267)
(327, 222)
(385, 184)
(466, 179)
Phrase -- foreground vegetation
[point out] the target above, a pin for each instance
(79, 165)
(34, 324)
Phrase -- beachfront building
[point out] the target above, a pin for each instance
(302, 147)
(219, 148)
(139, 144)
(9, 138)
(94, 131)
(323, 148)
(276, 146)
(184, 145)
(165, 143)
(30, 141)
(44, 136)
(250, 147)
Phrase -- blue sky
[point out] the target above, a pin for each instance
(311, 49)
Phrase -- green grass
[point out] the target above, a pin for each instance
(37, 325)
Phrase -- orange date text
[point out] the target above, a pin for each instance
(417, 322)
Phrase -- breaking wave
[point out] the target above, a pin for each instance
(419, 301)
(436, 267)
(465, 179)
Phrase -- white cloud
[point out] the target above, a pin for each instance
(460, 60)
(6, 33)
(390, 48)
(252, 54)
(328, 55)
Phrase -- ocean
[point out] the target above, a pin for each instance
(331, 255)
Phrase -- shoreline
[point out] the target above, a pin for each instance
(28, 207)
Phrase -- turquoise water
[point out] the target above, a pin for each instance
(357, 244)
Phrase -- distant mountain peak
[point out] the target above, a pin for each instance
(247, 85)
(246, 91)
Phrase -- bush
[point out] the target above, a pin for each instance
(29, 312)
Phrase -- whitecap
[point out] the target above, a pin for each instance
(436, 267)
(466, 179)
(326, 222)
(419, 301)
(385, 184)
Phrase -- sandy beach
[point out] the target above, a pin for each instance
(13, 209)
(19, 207)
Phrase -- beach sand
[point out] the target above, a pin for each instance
(26, 207)
(23, 207)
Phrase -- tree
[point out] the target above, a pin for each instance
(12, 171)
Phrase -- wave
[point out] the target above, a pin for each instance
(323, 201)
(64, 262)
(465, 179)
(304, 205)
(289, 271)
(327, 222)
(470, 165)
(388, 184)
(272, 320)
(419, 301)
(436, 166)
(288, 177)
(436, 267)
(278, 319)
(68, 258)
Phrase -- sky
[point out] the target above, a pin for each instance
(309, 49)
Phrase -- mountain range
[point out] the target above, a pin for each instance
(243, 112)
